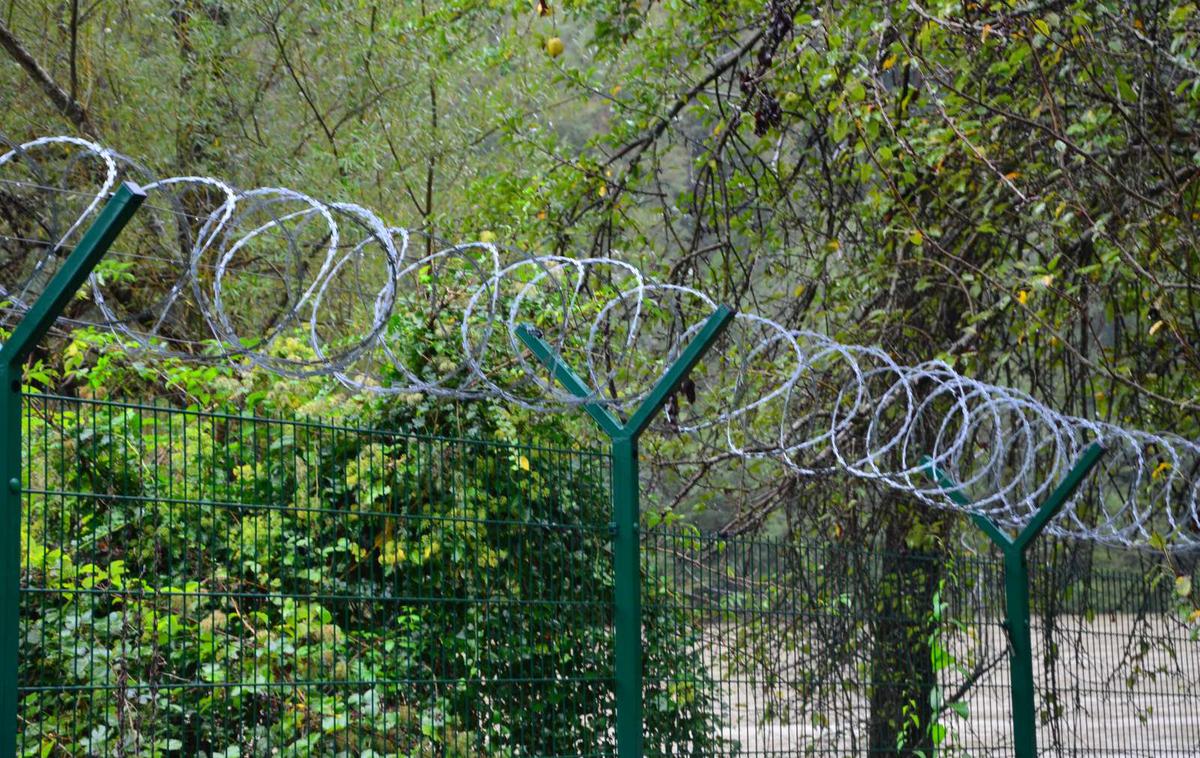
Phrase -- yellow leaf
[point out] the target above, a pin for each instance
(889, 61)
(391, 553)
(1022, 297)
(602, 191)
(1162, 468)
(916, 237)
(1012, 175)
(1042, 27)
(487, 235)
(833, 245)
(798, 291)
(1183, 586)
(523, 462)
(1157, 325)
(987, 29)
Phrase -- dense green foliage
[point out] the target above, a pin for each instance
(216, 584)
(1010, 186)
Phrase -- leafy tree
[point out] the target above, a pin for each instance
(1010, 187)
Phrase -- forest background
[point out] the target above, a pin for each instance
(1011, 187)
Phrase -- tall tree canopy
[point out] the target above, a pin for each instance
(1010, 186)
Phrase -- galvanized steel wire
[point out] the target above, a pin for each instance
(344, 278)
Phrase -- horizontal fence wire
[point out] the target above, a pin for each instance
(212, 584)
(219, 585)
(818, 648)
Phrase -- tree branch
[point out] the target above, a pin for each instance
(312, 106)
(634, 149)
(67, 105)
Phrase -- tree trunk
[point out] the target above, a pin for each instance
(902, 676)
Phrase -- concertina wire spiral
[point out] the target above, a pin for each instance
(225, 256)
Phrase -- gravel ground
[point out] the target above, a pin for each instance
(1126, 687)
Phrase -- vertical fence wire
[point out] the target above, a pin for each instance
(220, 585)
(208, 584)
(813, 648)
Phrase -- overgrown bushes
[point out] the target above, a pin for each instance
(206, 583)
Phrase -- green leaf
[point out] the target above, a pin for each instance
(940, 656)
(1180, 14)
(938, 733)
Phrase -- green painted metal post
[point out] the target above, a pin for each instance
(626, 508)
(627, 597)
(61, 288)
(1016, 590)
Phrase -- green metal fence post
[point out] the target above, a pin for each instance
(1016, 589)
(626, 508)
(61, 288)
(627, 598)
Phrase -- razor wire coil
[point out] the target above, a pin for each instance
(343, 277)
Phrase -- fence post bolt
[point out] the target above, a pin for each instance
(1016, 589)
(33, 326)
(627, 567)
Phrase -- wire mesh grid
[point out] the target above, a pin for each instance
(817, 648)
(218, 585)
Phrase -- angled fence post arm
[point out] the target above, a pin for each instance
(716, 324)
(626, 511)
(1016, 589)
(24, 338)
(570, 381)
(68, 279)
(1059, 497)
(952, 490)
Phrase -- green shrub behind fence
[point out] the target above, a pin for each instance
(199, 583)
(219, 585)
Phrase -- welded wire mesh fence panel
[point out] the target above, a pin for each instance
(1119, 672)
(218, 585)
(825, 649)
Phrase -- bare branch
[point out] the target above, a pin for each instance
(62, 100)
